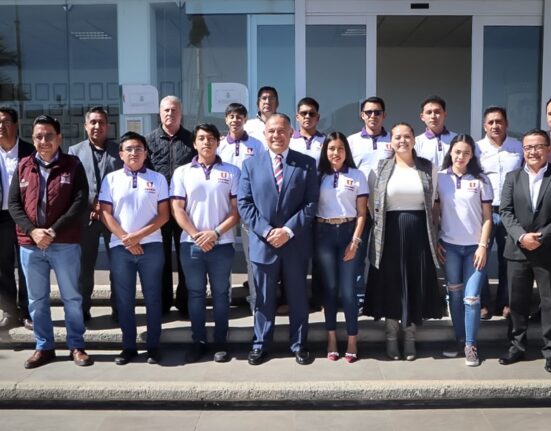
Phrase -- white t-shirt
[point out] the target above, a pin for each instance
(404, 191)
(368, 150)
(461, 201)
(237, 151)
(134, 197)
(339, 191)
(310, 147)
(434, 147)
(497, 162)
(255, 128)
(207, 193)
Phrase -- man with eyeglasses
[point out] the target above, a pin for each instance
(368, 146)
(267, 103)
(99, 155)
(525, 211)
(308, 139)
(498, 154)
(12, 149)
(434, 142)
(48, 195)
(171, 146)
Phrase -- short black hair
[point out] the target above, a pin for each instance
(324, 166)
(46, 119)
(492, 109)
(373, 99)
(266, 89)
(548, 102)
(98, 109)
(309, 101)
(206, 127)
(537, 132)
(11, 112)
(433, 99)
(132, 136)
(235, 108)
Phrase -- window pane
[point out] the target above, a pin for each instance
(512, 74)
(335, 74)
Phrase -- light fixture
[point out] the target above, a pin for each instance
(91, 35)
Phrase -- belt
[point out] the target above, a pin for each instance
(337, 220)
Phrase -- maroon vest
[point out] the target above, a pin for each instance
(59, 191)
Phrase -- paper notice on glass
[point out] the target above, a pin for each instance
(139, 99)
(221, 94)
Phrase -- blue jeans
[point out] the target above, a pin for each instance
(499, 234)
(361, 263)
(64, 259)
(338, 276)
(464, 284)
(124, 266)
(197, 265)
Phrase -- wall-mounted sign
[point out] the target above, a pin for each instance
(221, 94)
(139, 99)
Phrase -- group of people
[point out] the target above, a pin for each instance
(400, 204)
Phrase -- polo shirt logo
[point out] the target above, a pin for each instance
(65, 179)
(349, 184)
(472, 186)
(223, 177)
(150, 187)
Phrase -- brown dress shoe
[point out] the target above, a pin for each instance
(39, 358)
(80, 357)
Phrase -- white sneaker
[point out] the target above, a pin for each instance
(471, 356)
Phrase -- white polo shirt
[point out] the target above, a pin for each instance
(497, 162)
(339, 191)
(255, 128)
(309, 146)
(434, 147)
(368, 150)
(236, 151)
(134, 197)
(207, 192)
(8, 165)
(461, 200)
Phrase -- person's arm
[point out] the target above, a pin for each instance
(507, 209)
(481, 254)
(355, 242)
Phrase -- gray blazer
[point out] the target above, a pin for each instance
(377, 187)
(111, 162)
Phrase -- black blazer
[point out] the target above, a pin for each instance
(25, 149)
(518, 216)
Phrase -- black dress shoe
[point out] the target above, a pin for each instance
(125, 356)
(196, 352)
(547, 366)
(511, 357)
(221, 353)
(302, 356)
(257, 356)
(153, 356)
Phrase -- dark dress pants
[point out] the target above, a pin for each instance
(171, 233)
(521, 276)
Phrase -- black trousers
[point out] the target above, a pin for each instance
(521, 276)
(9, 252)
(171, 233)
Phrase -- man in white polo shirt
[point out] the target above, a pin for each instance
(308, 139)
(235, 148)
(368, 146)
(498, 155)
(434, 142)
(203, 199)
(267, 102)
(134, 206)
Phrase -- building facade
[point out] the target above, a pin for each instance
(61, 57)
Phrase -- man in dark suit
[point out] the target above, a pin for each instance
(277, 199)
(99, 156)
(12, 149)
(526, 214)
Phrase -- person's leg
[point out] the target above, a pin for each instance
(453, 268)
(543, 280)
(65, 261)
(89, 243)
(362, 263)
(106, 235)
(521, 281)
(123, 272)
(22, 291)
(167, 284)
(326, 255)
(250, 279)
(219, 263)
(37, 272)
(473, 283)
(485, 294)
(502, 296)
(266, 277)
(150, 269)
(8, 289)
(195, 270)
(181, 291)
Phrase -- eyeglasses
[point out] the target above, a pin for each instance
(6, 122)
(310, 114)
(375, 112)
(537, 147)
(48, 137)
(135, 150)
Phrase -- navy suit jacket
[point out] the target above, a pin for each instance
(518, 216)
(112, 163)
(262, 208)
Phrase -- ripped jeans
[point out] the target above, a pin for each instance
(464, 284)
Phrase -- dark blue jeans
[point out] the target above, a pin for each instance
(124, 266)
(197, 265)
(338, 276)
